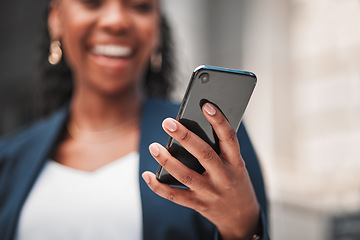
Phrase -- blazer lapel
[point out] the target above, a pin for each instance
(151, 131)
(163, 219)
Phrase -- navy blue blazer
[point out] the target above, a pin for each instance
(22, 156)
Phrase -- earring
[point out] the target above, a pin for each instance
(55, 52)
(156, 62)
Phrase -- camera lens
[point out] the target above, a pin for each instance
(204, 78)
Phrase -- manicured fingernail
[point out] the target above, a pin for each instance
(170, 125)
(209, 109)
(146, 178)
(154, 149)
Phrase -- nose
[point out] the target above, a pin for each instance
(115, 18)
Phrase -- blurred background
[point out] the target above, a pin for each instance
(304, 116)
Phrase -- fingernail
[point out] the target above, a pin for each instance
(146, 178)
(154, 149)
(170, 125)
(209, 109)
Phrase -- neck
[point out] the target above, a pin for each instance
(95, 112)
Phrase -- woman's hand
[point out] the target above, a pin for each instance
(223, 193)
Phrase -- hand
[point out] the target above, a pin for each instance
(223, 193)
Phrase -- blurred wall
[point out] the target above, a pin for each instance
(20, 27)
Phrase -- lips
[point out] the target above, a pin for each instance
(113, 51)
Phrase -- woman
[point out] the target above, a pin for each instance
(75, 174)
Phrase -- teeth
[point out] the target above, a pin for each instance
(112, 50)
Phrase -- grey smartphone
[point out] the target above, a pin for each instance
(227, 89)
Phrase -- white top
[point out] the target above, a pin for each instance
(66, 203)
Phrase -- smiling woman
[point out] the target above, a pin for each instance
(76, 174)
(89, 30)
(56, 82)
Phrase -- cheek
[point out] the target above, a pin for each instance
(75, 31)
(150, 34)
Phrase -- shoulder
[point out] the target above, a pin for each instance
(21, 136)
(25, 136)
(156, 109)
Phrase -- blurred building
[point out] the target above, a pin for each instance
(304, 116)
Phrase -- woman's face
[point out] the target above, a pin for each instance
(107, 43)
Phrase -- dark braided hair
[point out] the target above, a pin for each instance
(55, 81)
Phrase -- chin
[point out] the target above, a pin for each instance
(118, 89)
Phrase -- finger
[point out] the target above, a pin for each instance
(228, 140)
(208, 158)
(178, 170)
(183, 197)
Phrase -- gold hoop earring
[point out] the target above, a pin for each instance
(55, 52)
(156, 62)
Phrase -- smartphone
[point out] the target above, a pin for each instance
(227, 89)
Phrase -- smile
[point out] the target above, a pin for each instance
(112, 51)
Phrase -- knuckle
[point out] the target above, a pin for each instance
(221, 121)
(164, 162)
(200, 205)
(228, 182)
(203, 208)
(207, 154)
(186, 137)
(241, 164)
(170, 197)
(155, 188)
(187, 179)
(214, 194)
(231, 137)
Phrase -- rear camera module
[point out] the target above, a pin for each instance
(204, 77)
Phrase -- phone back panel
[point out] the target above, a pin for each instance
(229, 90)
